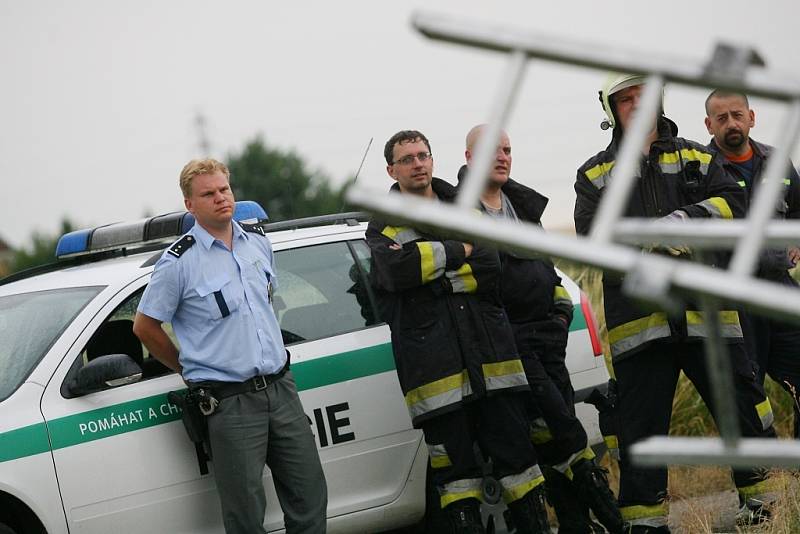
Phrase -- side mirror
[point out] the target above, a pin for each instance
(109, 371)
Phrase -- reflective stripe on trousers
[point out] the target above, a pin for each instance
(439, 457)
(650, 516)
(517, 486)
(467, 488)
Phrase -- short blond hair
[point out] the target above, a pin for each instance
(197, 167)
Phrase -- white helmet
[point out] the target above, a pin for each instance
(616, 82)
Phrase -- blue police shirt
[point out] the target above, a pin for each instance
(218, 303)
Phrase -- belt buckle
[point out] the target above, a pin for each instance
(260, 383)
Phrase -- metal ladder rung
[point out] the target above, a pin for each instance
(656, 451)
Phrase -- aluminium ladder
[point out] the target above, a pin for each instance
(611, 245)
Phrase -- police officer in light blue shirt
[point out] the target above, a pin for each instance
(207, 283)
(214, 285)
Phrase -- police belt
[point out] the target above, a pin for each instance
(221, 390)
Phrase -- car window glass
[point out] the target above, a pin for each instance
(29, 325)
(321, 292)
(361, 250)
(115, 336)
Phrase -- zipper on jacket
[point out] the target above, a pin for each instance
(651, 183)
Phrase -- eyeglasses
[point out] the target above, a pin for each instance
(408, 160)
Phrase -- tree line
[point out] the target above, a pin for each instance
(279, 180)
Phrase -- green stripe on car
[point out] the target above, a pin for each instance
(155, 410)
(578, 320)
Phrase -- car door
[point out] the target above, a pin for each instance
(122, 457)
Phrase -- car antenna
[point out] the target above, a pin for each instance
(363, 159)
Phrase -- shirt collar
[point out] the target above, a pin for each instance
(238, 231)
(206, 239)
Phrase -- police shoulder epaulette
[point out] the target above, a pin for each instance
(255, 228)
(181, 245)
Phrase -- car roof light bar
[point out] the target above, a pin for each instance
(144, 232)
(73, 243)
(249, 212)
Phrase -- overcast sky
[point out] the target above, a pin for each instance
(99, 99)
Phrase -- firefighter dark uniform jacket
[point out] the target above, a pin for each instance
(536, 303)
(773, 264)
(450, 335)
(676, 174)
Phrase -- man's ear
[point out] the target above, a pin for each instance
(708, 125)
(468, 156)
(752, 118)
(390, 171)
(188, 204)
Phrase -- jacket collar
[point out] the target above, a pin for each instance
(760, 150)
(443, 190)
(666, 130)
(528, 202)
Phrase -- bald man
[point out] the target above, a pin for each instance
(540, 312)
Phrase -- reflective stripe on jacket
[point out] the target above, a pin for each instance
(634, 334)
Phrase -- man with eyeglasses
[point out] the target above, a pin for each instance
(454, 351)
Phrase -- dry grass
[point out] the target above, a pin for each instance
(694, 486)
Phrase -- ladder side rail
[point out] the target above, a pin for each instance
(478, 173)
(596, 55)
(615, 200)
(720, 374)
(749, 452)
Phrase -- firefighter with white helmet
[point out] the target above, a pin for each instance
(615, 83)
(676, 179)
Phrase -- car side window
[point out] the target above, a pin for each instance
(115, 336)
(322, 291)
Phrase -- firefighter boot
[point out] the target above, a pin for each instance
(755, 510)
(572, 512)
(464, 517)
(529, 513)
(591, 484)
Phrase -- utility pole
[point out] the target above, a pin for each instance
(203, 142)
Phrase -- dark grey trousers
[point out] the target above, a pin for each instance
(268, 427)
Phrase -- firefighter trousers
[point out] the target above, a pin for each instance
(556, 432)
(552, 355)
(499, 426)
(647, 382)
(775, 346)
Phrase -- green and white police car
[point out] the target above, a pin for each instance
(90, 444)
